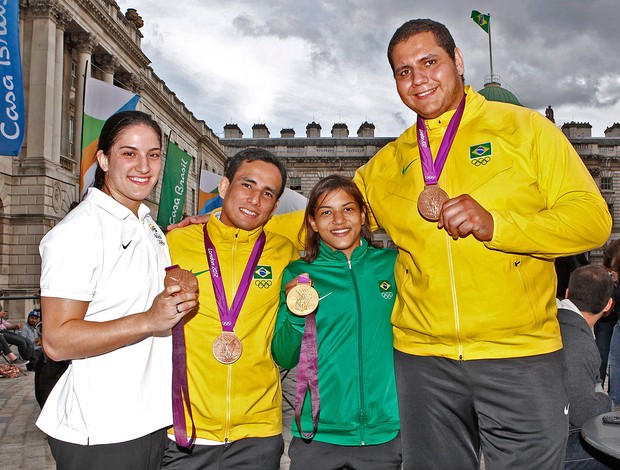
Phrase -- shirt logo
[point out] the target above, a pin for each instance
(125, 246)
(263, 276)
(201, 272)
(386, 290)
(405, 168)
(480, 154)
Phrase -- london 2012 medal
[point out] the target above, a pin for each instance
(227, 348)
(303, 299)
(430, 202)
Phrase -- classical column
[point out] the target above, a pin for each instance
(63, 17)
(41, 76)
(108, 64)
(85, 44)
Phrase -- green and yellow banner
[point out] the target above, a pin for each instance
(174, 186)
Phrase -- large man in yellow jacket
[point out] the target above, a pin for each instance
(478, 346)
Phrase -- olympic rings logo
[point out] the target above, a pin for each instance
(481, 161)
(387, 295)
(262, 284)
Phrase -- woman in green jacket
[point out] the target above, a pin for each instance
(358, 425)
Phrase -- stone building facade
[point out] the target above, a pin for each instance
(61, 41)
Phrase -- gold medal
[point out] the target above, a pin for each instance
(303, 299)
(227, 347)
(430, 202)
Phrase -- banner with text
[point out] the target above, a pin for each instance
(174, 186)
(101, 101)
(11, 84)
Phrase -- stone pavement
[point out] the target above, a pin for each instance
(24, 447)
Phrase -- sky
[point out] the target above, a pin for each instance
(286, 63)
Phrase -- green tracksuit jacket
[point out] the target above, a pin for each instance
(355, 345)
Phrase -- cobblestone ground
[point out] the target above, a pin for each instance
(24, 447)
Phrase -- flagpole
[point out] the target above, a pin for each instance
(490, 50)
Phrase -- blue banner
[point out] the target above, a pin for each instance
(11, 84)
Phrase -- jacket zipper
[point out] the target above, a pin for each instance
(455, 302)
(229, 372)
(359, 354)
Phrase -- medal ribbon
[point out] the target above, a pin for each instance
(308, 376)
(431, 170)
(228, 317)
(180, 389)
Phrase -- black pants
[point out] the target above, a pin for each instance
(24, 346)
(144, 453)
(514, 411)
(252, 453)
(322, 456)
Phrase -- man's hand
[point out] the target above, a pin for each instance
(194, 219)
(462, 216)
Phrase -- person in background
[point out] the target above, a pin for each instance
(30, 332)
(10, 333)
(106, 309)
(588, 299)
(607, 340)
(355, 355)
(9, 354)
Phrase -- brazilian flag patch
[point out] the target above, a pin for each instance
(480, 154)
(263, 276)
(386, 289)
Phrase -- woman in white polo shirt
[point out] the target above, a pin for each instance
(104, 306)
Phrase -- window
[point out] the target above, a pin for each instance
(71, 135)
(295, 183)
(607, 183)
(73, 75)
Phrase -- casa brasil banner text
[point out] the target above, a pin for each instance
(11, 84)
(174, 186)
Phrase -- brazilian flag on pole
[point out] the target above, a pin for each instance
(173, 189)
(482, 20)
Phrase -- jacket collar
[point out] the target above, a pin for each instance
(326, 253)
(218, 231)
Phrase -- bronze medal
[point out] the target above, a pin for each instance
(430, 202)
(227, 348)
(302, 300)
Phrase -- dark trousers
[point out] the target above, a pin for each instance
(144, 453)
(317, 455)
(602, 333)
(252, 453)
(582, 456)
(24, 346)
(514, 411)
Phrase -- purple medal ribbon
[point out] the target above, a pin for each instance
(431, 170)
(228, 318)
(308, 376)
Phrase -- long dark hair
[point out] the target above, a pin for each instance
(327, 185)
(116, 124)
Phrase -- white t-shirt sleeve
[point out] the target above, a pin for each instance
(69, 265)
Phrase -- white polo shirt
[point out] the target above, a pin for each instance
(101, 253)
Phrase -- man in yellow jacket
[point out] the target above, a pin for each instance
(480, 197)
(233, 384)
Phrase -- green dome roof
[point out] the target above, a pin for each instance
(492, 91)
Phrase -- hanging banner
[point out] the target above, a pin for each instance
(11, 84)
(174, 186)
(101, 100)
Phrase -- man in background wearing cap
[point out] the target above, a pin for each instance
(30, 332)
